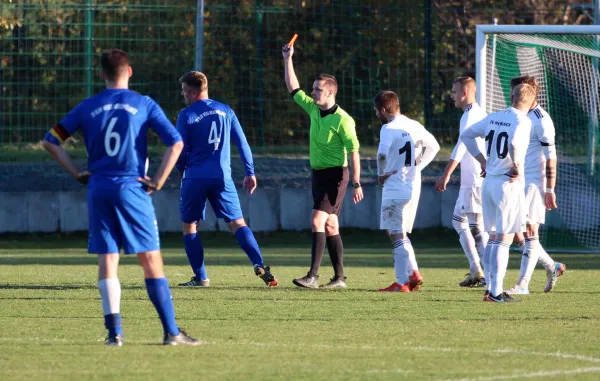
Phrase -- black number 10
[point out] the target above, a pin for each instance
(501, 143)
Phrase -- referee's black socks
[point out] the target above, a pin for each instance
(316, 252)
(336, 254)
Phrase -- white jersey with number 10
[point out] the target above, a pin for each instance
(507, 134)
(409, 147)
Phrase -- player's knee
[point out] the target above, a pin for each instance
(151, 262)
(236, 224)
(475, 230)
(460, 224)
(189, 228)
(332, 226)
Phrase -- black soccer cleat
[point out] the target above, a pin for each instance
(308, 281)
(502, 298)
(265, 274)
(181, 339)
(196, 282)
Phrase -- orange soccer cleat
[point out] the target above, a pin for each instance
(395, 287)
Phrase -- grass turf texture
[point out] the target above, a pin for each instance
(52, 324)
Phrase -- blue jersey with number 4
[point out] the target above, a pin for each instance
(207, 127)
(115, 125)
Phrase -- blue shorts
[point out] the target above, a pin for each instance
(121, 218)
(221, 194)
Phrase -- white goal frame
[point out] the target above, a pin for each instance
(481, 58)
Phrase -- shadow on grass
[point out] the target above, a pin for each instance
(435, 248)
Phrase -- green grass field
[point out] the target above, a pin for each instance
(52, 324)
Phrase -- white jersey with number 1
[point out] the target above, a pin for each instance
(409, 147)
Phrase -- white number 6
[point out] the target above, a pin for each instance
(112, 135)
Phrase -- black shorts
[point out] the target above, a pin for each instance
(329, 188)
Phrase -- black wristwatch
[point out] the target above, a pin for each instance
(355, 185)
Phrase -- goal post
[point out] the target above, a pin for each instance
(564, 60)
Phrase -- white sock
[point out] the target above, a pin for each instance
(481, 241)
(412, 260)
(468, 244)
(401, 261)
(545, 260)
(529, 260)
(499, 263)
(110, 292)
(487, 255)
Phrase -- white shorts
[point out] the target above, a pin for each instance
(468, 201)
(398, 215)
(503, 205)
(535, 208)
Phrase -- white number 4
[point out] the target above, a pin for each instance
(112, 135)
(213, 136)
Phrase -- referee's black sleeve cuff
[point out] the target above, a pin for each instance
(294, 92)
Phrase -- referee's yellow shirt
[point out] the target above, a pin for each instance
(332, 136)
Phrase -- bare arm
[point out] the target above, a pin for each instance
(60, 155)
(355, 176)
(166, 166)
(290, 75)
(441, 183)
(550, 196)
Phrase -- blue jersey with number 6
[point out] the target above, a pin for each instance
(207, 127)
(115, 125)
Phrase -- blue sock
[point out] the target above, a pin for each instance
(248, 243)
(195, 254)
(160, 295)
(112, 322)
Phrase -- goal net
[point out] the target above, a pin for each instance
(564, 60)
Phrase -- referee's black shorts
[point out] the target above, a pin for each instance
(329, 188)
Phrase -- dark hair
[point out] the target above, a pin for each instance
(528, 79)
(330, 81)
(114, 63)
(195, 80)
(387, 100)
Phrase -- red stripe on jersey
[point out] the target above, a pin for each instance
(61, 131)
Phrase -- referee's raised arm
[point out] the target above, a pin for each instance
(290, 76)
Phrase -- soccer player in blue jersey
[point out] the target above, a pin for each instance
(207, 128)
(115, 126)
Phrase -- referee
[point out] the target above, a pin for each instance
(332, 136)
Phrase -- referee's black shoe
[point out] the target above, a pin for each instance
(308, 281)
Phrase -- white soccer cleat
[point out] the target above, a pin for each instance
(518, 290)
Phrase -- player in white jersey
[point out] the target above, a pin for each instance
(507, 136)
(405, 148)
(467, 217)
(540, 180)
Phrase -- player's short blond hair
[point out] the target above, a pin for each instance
(465, 82)
(523, 94)
(196, 80)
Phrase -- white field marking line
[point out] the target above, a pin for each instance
(429, 349)
(527, 375)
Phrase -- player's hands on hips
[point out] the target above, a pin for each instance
(250, 183)
(382, 179)
(440, 184)
(550, 200)
(287, 51)
(149, 185)
(83, 177)
(513, 174)
(358, 195)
